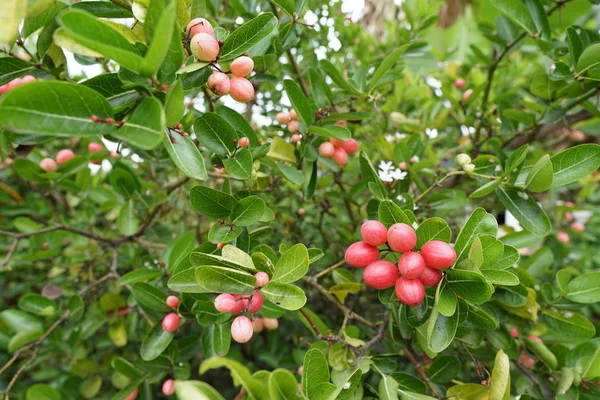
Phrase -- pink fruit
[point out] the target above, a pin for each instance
(570, 204)
(225, 302)
(114, 154)
(380, 274)
(526, 361)
(535, 338)
(28, 79)
(336, 142)
(410, 291)
(95, 147)
(171, 322)
(242, 329)
(293, 114)
(296, 138)
(403, 165)
(438, 254)
(241, 89)
(4, 88)
(430, 276)
(255, 303)
(204, 47)
(401, 237)
(361, 254)
(173, 301)
(373, 232)
(282, 118)
(301, 212)
(578, 227)
(577, 135)
(271, 323)
(14, 83)
(569, 216)
(340, 156)
(244, 142)
(133, 395)
(48, 165)
(168, 387)
(218, 83)
(459, 83)
(326, 150)
(199, 25)
(64, 155)
(241, 303)
(258, 325)
(220, 245)
(242, 66)
(293, 126)
(261, 279)
(514, 332)
(467, 94)
(351, 146)
(562, 237)
(411, 265)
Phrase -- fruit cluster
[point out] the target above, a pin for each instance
(338, 150)
(16, 82)
(205, 47)
(291, 120)
(417, 270)
(64, 155)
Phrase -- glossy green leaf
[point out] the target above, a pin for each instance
(433, 229)
(155, 342)
(19, 321)
(36, 304)
(185, 155)
(444, 369)
(150, 296)
(500, 379)
(41, 391)
(192, 390)
(525, 209)
(255, 389)
(338, 78)
(441, 330)
(386, 64)
(390, 214)
(12, 13)
(286, 296)
(225, 280)
(240, 165)
(12, 67)
(316, 372)
(479, 222)
(540, 176)
(573, 164)
(174, 104)
(498, 277)
(23, 338)
(212, 202)
(215, 133)
(283, 385)
(516, 12)
(299, 102)
(469, 285)
(292, 265)
(330, 131)
(567, 326)
(247, 36)
(583, 289)
(127, 222)
(247, 211)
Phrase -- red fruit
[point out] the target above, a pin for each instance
(514, 332)
(133, 395)
(220, 245)
(293, 126)
(410, 291)
(351, 146)
(48, 165)
(578, 227)
(467, 94)
(199, 25)
(526, 361)
(258, 325)
(261, 279)
(168, 387)
(114, 154)
(271, 323)
(535, 338)
(336, 142)
(218, 83)
(242, 66)
(340, 156)
(438, 254)
(373, 232)
(401, 237)
(411, 265)
(562, 237)
(569, 216)
(255, 304)
(95, 147)
(361, 254)
(241, 303)
(301, 212)
(282, 118)
(171, 322)
(204, 47)
(459, 83)
(241, 89)
(225, 303)
(430, 276)
(296, 138)
(326, 150)
(173, 301)
(380, 274)
(64, 155)
(244, 142)
(242, 329)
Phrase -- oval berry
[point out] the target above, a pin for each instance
(430, 276)
(282, 117)
(199, 25)
(171, 322)
(459, 83)
(293, 126)
(48, 165)
(241, 89)
(64, 155)
(401, 237)
(340, 156)
(261, 279)
(326, 150)
(438, 254)
(380, 274)
(244, 142)
(225, 303)
(351, 146)
(242, 329)
(361, 254)
(218, 83)
(204, 47)
(255, 303)
(168, 387)
(271, 323)
(95, 147)
(411, 265)
(410, 291)
(373, 232)
(242, 66)
(172, 301)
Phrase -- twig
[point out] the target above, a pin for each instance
(419, 369)
(329, 269)
(298, 73)
(11, 251)
(379, 336)
(437, 183)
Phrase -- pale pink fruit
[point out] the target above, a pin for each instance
(326, 149)
(340, 156)
(133, 395)
(403, 165)
(282, 117)
(578, 227)
(114, 154)
(563, 237)
(168, 387)
(430, 276)
(410, 291)
(301, 212)
(14, 83)
(401, 237)
(64, 155)
(293, 126)
(514, 332)
(271, 323)
(242, 329)
(171, 322)
(336, 142)
(244, 142)
(293, 114)
(361, 254)
(225, 303)
(577, 136)
(569, 216)
(373, 232)
(9, 161)
(411, 265)
(351, 146)
(173, 301)
(204, 47)
(199, 25)
(296, 138)
(258, 325)
(241, 303)
(438, 254)
(218, 83)
(526, 361)
(343, 124)
(241, 89)
(261, 279)
(255, 303)
(467, 94)
(220, 245)
(242, 66)
(570, 204)
(48, 165)
(459, 83)
(380, 274)
(27, 79)
(4, 88)
(95, 147)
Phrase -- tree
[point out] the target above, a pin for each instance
(184, 183)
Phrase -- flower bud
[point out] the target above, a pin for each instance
(467, 94)
(293, 126)
(463, 159)
(469, 169)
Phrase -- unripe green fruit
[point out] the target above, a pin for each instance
(463, 159)
(469, 169)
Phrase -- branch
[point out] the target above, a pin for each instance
(298, 73)
(379, 336)
(419, 369)
(329, 269)
(542, 131)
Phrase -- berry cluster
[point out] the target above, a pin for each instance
(337, 149)
(64, 155)
(417, 270)
(16, 82)
(459, 84)
(291, 120)
(243, 327)
(205, 47)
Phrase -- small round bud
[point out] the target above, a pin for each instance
(199, 25)
(301, 212)
(109, 121)
(514, 332)
(403, 165)
(401, 237)
(173, 301)
(578, 227)
(351, 146)
(244, 142)
(95, 147)
(326, 149)
(293, 114)
(220, 245)
(282, 118)
(204, 47)
(258, 325)
(261, 279)
(133, 395)
(430, 277)
(380, 274)
(411, 265)
(255, 303)
(242, 329)
(459, 83)
(64, 155)
(48, 165)
(242, 66)
(218, 83)
(241, 89)
(463, 159)
(293, 126)
(171, 322)
(225, 303)
(95, 118)
(469, 169)
(271, 323)
(361, 254)
(340, 156)
(563, 237)
(438, 254)
(467, 94)
(168, 387)
(410, 291)
(373, 232)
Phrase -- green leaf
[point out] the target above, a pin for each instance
(443, 369)
(192, 390)
(12, 13)
(222, 279)
(12, 67)
(575, 45)
(433, 229)
(388, 388)
(299, 102)
(516, 12)
(441, 330)
(468, 391)
(330, 131)
(150, 296)
(286, 296)
(23, 338)
(583, 289)
(174, 104)
(500, 379)
(281, 150)
(36, 304)
(247, 36)
(479, 222)
(292, 265)
(103, 9)
(199, 259)
(212, 202)
(155, 342)
(574, 163)
(446, 301)
(216, 339)
(316, 372)
(282, 385)
(590, 58)
(390, 214)
(254, 389)
(525, 209)
(240, 166)
(185, 282)
(186, 156)
(338, 78)
(139, 275)
(386, 64)
(538, 14)
(540, 176)
(498, 277)
(567, 326)
(19, 321)
(469, 285)
(40, 391)
(248, 211)
(486, 188)
(215, 133)
(127, 222)
(32, 109)
(341, 290)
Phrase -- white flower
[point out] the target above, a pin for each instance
(398, 175)
(389, 138)
(431, 133)
(415, 159)
(385, 166)
(387, 172)
(434, 83)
